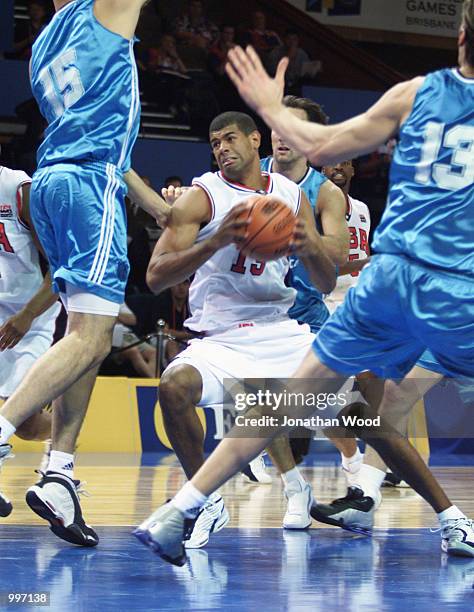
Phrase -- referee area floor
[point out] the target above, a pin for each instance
(252, 564)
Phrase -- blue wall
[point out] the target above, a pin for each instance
(6, 25)
(158, 159)
(15, 84)
(342, 104)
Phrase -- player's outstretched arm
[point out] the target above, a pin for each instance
(308, 245)
(319, 143)
(14, 328)
(145, 197)
(176, 255)
(331, 206)
(119, 16)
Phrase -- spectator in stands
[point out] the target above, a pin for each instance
(165, 57)
(219, 50)
(28, 31)
(194, 29)
(171, 306)
(226, 92)
(141, 358)
(299, 66)
(173, 181)
(263, 40)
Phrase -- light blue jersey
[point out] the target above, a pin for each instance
(309, 306)
(84, 78)
(430, 212)
(417, 292)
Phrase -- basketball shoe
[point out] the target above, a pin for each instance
(392, 480)
(212, 518)
(457, 537)
(5, 504)
(300, 499)
(163, 532)
(354, 512)
(256, 472)
(55, 498)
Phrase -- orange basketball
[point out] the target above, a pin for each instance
(270, 230)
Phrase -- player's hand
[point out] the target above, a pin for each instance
(13, 330)
(171, 194)
(232, 229)
(255, 86)
(162, 213)
(302, 243)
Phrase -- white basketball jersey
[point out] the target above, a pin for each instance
(358, 221)
(20, 272)
(230, 288)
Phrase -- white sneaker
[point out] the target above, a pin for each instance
(256, 472)
(55, 498)
(300, 501)
(212, 518)
(457, 537)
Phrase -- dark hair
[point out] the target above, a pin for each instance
(468, 23)
(172, 179)
(244, 122)
(313, 110)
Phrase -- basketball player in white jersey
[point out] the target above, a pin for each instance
(239, 305)
(28, 306)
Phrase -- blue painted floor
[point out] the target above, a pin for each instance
(241, 569)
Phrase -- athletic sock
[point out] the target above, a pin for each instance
(189, 500)
(450, 514)
(61, 463)
(370, 480)
(293, 476)
(354, 463)
(6, 430)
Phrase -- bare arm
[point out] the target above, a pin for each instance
(309, 246)
(119, 16)
(13, 330)
(176, 256)
(319, 143)
(332, 209)
(146, 198)
(353, 266)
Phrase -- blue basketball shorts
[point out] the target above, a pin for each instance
(78, 211)
(398, 310)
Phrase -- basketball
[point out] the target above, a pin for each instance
(270, 230)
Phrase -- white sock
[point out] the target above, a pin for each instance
(6, 430)
(354, 463)
(189, 500)
(293, 475)
(450, 514)
(62, 463)
(370, 480)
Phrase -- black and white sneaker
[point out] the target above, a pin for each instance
(354, 512)
(55, 498)
(256, 472)
(392, 480)
(457, 537)
(5, 504)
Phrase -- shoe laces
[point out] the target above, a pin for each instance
(454, 524)
(78, 484)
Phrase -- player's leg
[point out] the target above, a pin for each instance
(385, 344)
(36, 427)
(180, 393)
(85, 346)
(184, 385)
